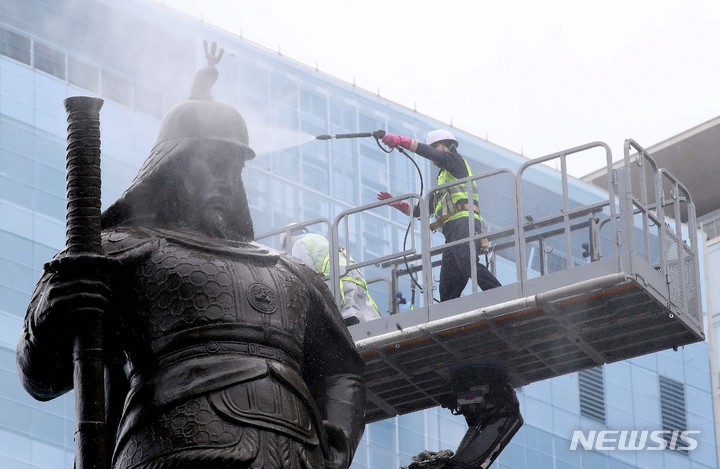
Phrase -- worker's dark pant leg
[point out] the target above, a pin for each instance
(455, 269)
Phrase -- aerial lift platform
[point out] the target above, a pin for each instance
(594, 283)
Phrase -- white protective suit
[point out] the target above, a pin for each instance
(313, 250)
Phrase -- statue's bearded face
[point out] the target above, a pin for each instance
(217, 195)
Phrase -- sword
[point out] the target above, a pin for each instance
(83, 238)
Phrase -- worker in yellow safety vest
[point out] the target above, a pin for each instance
(314, 250)
(451, 208)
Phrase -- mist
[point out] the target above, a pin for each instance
(265, 140)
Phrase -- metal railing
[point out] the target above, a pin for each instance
(568, 219)
(671, 211)
(619, 227)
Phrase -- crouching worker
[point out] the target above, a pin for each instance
(314, 250)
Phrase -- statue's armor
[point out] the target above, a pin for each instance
(216, 347)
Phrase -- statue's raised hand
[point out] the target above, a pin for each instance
(211, 55)
(205, 77)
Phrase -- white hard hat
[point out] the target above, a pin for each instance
(299, 231)
(435, 136)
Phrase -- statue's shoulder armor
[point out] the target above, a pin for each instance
(122, 241)
(298, 267)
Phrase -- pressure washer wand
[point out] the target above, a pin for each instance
(378, 134)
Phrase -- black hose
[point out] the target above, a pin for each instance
(378, 135)
(407, 230)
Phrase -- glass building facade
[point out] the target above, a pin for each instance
(141, 58)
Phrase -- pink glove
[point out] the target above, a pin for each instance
(401, 205)
(393, 141)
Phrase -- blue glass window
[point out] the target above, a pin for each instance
(83, 75)
(15, 46)
(49, 60)
(116, 88)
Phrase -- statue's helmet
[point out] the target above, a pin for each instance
(198, 128)
(207, 120)
(198, 123)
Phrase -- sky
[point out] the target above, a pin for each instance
(533, 77)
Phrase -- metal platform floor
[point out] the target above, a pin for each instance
(544, 335)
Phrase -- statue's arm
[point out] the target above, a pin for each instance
(44, 351)
(70, 288)
(335, 370)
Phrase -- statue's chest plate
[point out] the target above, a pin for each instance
(179, 287)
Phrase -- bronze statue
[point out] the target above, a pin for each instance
(219, 352)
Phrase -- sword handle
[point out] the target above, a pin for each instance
(83, 175)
